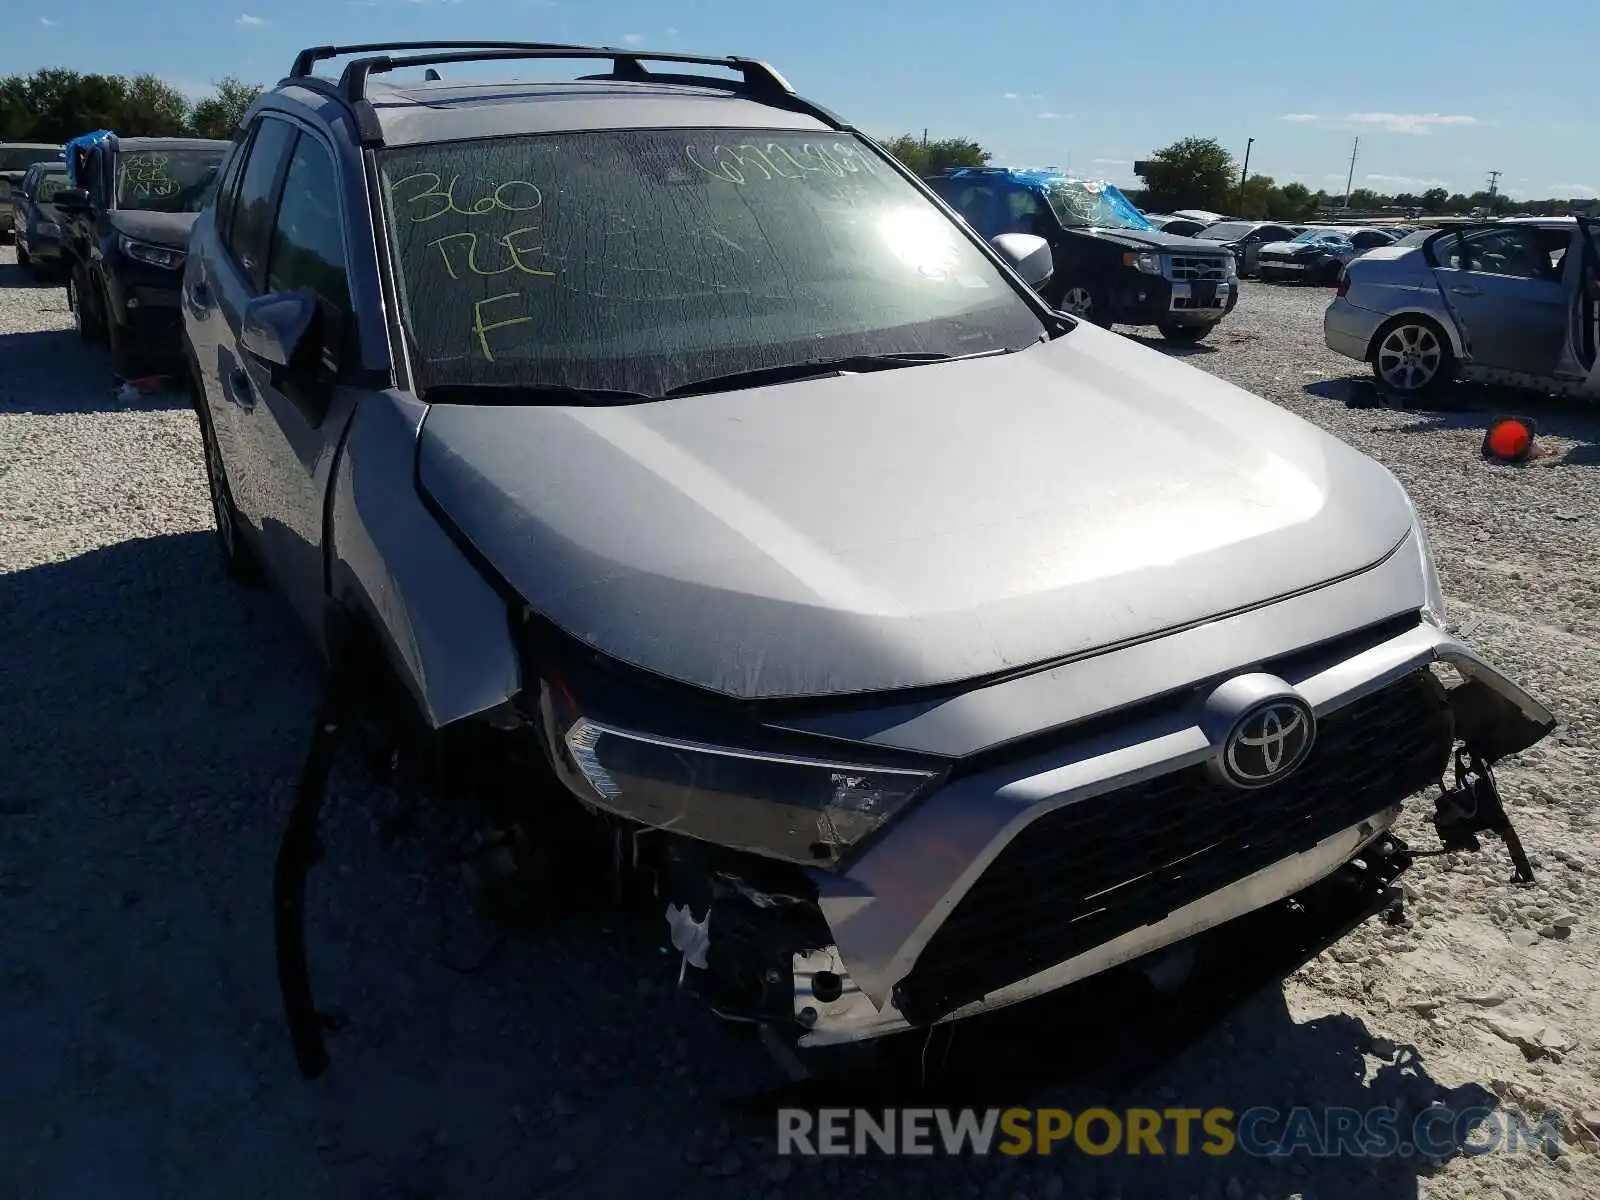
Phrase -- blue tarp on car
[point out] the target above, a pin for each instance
(76, 146)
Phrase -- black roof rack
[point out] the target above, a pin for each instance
(308, 58)
(759, 80)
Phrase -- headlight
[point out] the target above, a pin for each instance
(155, 256)
(803, 810)
(1230, 267)
(1145, 262)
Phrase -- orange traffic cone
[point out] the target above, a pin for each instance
(1509, 439)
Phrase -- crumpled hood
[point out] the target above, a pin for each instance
(908, 527)
(158, 228)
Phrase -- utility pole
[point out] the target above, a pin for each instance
(1494, 188)
(1243, 174)
(1351, 177)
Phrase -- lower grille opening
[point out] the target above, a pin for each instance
(1094, 870)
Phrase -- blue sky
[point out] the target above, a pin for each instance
(1439, 93)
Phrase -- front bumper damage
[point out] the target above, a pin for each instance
(1032, 876)
(940, 920)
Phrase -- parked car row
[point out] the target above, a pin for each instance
(111, 216)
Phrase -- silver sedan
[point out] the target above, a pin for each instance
(1512, 302)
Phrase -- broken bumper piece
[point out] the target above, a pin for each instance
(1011, 883)
(832, 1009)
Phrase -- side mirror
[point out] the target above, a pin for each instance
(283, 331)
(73, 199)
(1028, 254)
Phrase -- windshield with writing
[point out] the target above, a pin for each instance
(640, 261)
(172, 181)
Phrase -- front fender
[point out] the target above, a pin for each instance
(444, 628)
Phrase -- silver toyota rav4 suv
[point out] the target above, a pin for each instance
(671, 479)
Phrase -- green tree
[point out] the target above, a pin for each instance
(925, 157)
(1257, 199)
(1191, 173)
(151, 107)
(218, 115)
(53, 105)
(1295, 203)
(1434, 199)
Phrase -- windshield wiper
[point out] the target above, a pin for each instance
(528, 393)
(815, 368)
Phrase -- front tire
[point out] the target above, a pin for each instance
(1088, 301)
(85, 311)
(1411, 357)
(1184, 335)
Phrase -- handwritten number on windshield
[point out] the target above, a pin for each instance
(469, 260)
(512, 196)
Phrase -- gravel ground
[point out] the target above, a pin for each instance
(154, 719)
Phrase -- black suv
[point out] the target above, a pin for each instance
(1112, 266)
(126, 225)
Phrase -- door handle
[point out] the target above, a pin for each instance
(1462, 290)
(243, 390)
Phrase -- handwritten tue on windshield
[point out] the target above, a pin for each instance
(492, 250)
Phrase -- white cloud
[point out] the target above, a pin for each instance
(1035, 96)
(249, 21)
(633, 39)
(1053, 116)
(672, 31)
(46, 21)
(1012, 96)
(1413, 123)
(1572, 191)
(1408, 122)
(1408, 183)
(1111, 162)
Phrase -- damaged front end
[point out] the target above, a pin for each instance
(835, 894)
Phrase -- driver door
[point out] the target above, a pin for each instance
(1507, 301)
(286, 432)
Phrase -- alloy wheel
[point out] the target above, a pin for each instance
(1078, 300)
(1409, 357)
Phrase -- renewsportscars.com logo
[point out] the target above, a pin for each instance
(1434, 1132)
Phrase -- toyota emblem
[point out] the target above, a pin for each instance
(1268, 742)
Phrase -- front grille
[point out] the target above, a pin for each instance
(1096, 869)
(1190, 267)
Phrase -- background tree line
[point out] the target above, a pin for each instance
(1201, 173)
(55, 105)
